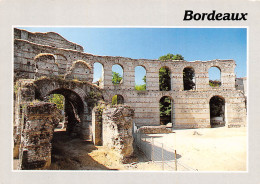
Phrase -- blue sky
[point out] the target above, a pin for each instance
(151, 43)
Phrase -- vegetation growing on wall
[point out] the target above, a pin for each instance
(214, 83)
(165, 85)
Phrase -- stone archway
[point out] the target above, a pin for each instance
(79, 101)
(74, 111)
(36, 136)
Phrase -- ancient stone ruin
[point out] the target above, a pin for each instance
(47, 63)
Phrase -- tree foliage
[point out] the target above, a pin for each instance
(58, 100)
(140, 87)
(188, 76)
(171, 57)
(164, 79)
(165, 106)
(116, 78)
(165, 85)
(214, 83)
(165, 110)
(164, 73)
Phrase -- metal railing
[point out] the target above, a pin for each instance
(159, 152)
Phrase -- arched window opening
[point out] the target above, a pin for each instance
(217, 111)
(188, 78)
(117, 74)
(98, 75)
(117, 99)
(214, 77)
(140, 78)
(164, 79)
(166, 109)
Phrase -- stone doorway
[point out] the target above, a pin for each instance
(217, 111)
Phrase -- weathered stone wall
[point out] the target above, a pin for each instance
(117, 129)
(241, 84)
(97, 126)
(52, 39)
(34, 123)
(82, 95)
(80, 70)
(190, 108)
(45, 65)
(40, 119)
(24, 93)
(34, 120)
(154, 129)
(24, 52)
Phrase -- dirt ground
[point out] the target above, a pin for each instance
(217, 149)
(76, 154)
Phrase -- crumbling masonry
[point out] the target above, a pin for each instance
(51, 64)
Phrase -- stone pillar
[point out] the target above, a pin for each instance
(40, 120)
(117, 129)
(25, 93)
(97, 126)
(152, 77)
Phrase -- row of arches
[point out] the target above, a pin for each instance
(216, 107)
(166, 106)
(189, 78)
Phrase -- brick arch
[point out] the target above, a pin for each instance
(45, 86)
(142, 65)
(45, 65)
(80, 70)
(218, 95)
(188, 66)
(165, 95)
(191, 67)
(217, 66)
(80, 98)
(214, 63)
(119, 65)
(108, 96)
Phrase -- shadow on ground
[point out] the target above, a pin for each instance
(73, 154)
(154, 150)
